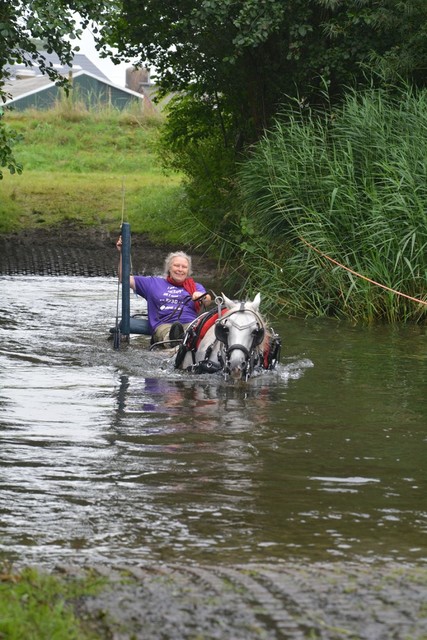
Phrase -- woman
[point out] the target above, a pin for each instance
(174, 300)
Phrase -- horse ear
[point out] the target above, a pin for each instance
(228, 303)
(256, 302)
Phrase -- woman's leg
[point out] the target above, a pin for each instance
(161, 333)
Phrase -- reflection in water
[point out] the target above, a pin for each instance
(210, 401)
(113, 454)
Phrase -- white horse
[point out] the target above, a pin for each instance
(232, 339)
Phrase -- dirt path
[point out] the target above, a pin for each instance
(318, 601)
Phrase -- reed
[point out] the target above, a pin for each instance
(353, 184)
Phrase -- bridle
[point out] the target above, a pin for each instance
(222, 330)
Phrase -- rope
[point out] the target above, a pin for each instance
(359, 275)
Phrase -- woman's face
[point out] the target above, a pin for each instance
(179, 269)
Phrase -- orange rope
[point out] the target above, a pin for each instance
(359, 275)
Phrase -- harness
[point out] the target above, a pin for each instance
(194, 335)
(255, 358)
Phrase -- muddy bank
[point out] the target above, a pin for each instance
(73, 250)
(322, 601)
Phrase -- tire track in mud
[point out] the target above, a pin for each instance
(72, 250)
(57, 262)
(256, 602)
(270, 608)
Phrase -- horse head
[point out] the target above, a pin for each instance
(232, 339)
(241, 332)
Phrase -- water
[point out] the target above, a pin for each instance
(113, 456)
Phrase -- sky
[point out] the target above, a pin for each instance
(115, 73)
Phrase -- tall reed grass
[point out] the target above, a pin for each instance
(353, 184)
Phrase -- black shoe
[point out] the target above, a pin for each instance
(176, 332)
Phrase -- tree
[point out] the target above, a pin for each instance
(8, 138)
(407, 56)
(26, 24)
(234, 62)
(253, 53)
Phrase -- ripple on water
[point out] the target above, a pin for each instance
(113, 454)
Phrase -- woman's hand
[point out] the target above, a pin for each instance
(206, 297)
(119, 244)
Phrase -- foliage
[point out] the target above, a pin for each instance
(8, 138)
(28, 29)
(241, 59)
(352, 184)
(407, 55)
(253, 52)
(194, 143)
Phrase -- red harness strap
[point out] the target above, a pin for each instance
(265, 356)
(209, 322)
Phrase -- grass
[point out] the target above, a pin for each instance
(38, 606)
(351, 182)
(89, 167)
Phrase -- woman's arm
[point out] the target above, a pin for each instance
(119, 249)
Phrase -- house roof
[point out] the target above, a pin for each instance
(80, 63)
(19, 89)
(27, 84)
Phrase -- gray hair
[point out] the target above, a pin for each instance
(172, 256)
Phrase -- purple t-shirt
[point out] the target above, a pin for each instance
(165, 302)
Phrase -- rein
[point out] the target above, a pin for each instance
(181, 304)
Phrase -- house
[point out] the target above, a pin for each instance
(29, 88)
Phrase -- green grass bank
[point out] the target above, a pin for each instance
(89, 168)
(41, 606)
